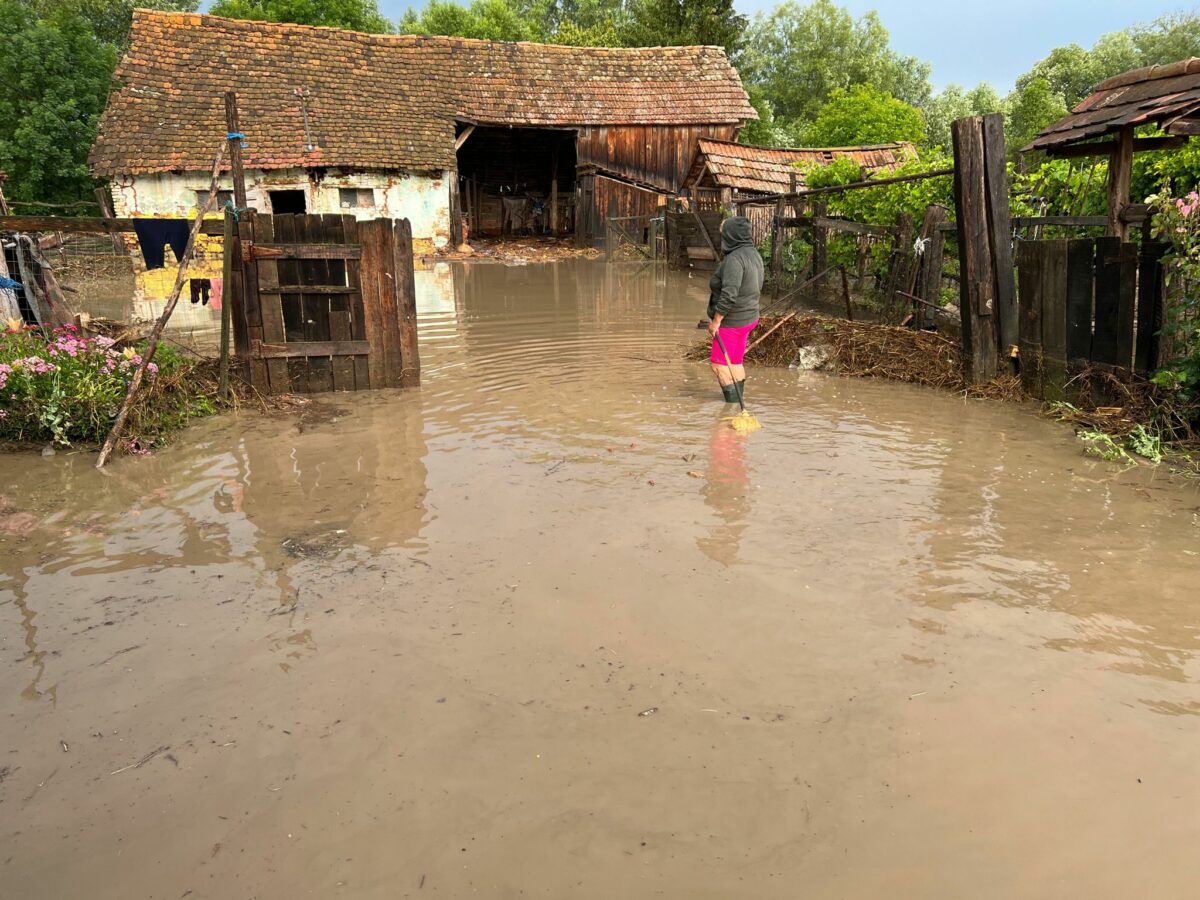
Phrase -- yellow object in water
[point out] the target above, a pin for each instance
(744, 423)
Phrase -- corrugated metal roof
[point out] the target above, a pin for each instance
(765, 170)
(1168, 96)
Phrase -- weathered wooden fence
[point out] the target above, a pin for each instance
(324, 303)
(1087, 303)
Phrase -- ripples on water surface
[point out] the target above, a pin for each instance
(401, 642)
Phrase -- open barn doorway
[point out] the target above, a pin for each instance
(517, 182)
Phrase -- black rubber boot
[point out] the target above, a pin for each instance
(730, 393)
(741, 389)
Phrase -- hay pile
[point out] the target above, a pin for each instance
(870, 350)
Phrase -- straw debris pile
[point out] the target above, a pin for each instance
(870, 350)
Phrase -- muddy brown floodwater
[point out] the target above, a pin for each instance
(546, 628)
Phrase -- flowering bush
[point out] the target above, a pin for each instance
(1177, 220)
(64, 387)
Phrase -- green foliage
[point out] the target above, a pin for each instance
(955, 103)
(667, 23)
(109, 20)
(56, 76)
(1177, 220)
(493, 20)
(1105, 446)
(882, 205)
(864, 115)
(67, 389)
(800, 54)
(1032, 109)
(356, 15)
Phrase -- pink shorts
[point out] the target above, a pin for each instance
(735, 342)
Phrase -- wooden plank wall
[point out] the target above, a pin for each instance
(1087, 303)
(332, 308)
(602, 198)
(656, 154)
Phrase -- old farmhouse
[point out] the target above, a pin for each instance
(433, 129)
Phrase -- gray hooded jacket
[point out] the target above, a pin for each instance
(737, 282)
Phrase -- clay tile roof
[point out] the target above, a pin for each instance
(770, 170)
(377, 101)
(1168, 96)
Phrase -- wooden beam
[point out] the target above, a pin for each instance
(1068, 221)
(235, 150)
(300, 251)
(462, 138)
(977, 300)
(1120, 173)
(310, 289)
(313, 348)
(858, 185)
(82, 225)
(1107, 148)
(995, 159)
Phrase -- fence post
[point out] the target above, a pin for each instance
(931, 263)
(776, 250)
(820, 241)
(977, 277)
(1000, 222)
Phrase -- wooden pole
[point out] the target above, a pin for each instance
(1120, 173)
(858, 185)
(554, 193)
(999, 218)
(846, 293)
(819, 245)
(977, 281)
(234, 144)
(155, 333)
(104, 201)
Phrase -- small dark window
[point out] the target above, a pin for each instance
(287, 202)
(224, 199)
(356, 198)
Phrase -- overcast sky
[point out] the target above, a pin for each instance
(969, 41)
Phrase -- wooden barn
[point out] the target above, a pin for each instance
(449, 133)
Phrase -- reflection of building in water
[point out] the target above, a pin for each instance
(437, 310)
(342, 482)
(727, 491)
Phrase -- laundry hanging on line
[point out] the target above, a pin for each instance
(153, 235)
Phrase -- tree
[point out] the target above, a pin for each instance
(1030, 110)
(674, 23)
(109, 19)
(493, 20)
(356, 15)
(865, 115)
(766, 130)
(56, 76)
(799, 55)
(955, 103)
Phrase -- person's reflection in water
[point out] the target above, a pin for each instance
(727, 491)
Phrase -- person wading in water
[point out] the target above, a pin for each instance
(733, 304)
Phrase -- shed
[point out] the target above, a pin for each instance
(1104, 123)
(434, 129)
(722, 171)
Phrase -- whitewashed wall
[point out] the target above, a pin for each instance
(421, 198)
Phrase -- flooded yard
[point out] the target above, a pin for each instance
(546, 627)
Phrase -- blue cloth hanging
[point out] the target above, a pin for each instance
(154, 234)
(7, 284)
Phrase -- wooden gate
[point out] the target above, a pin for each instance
(325, 303)
(1086, 303)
